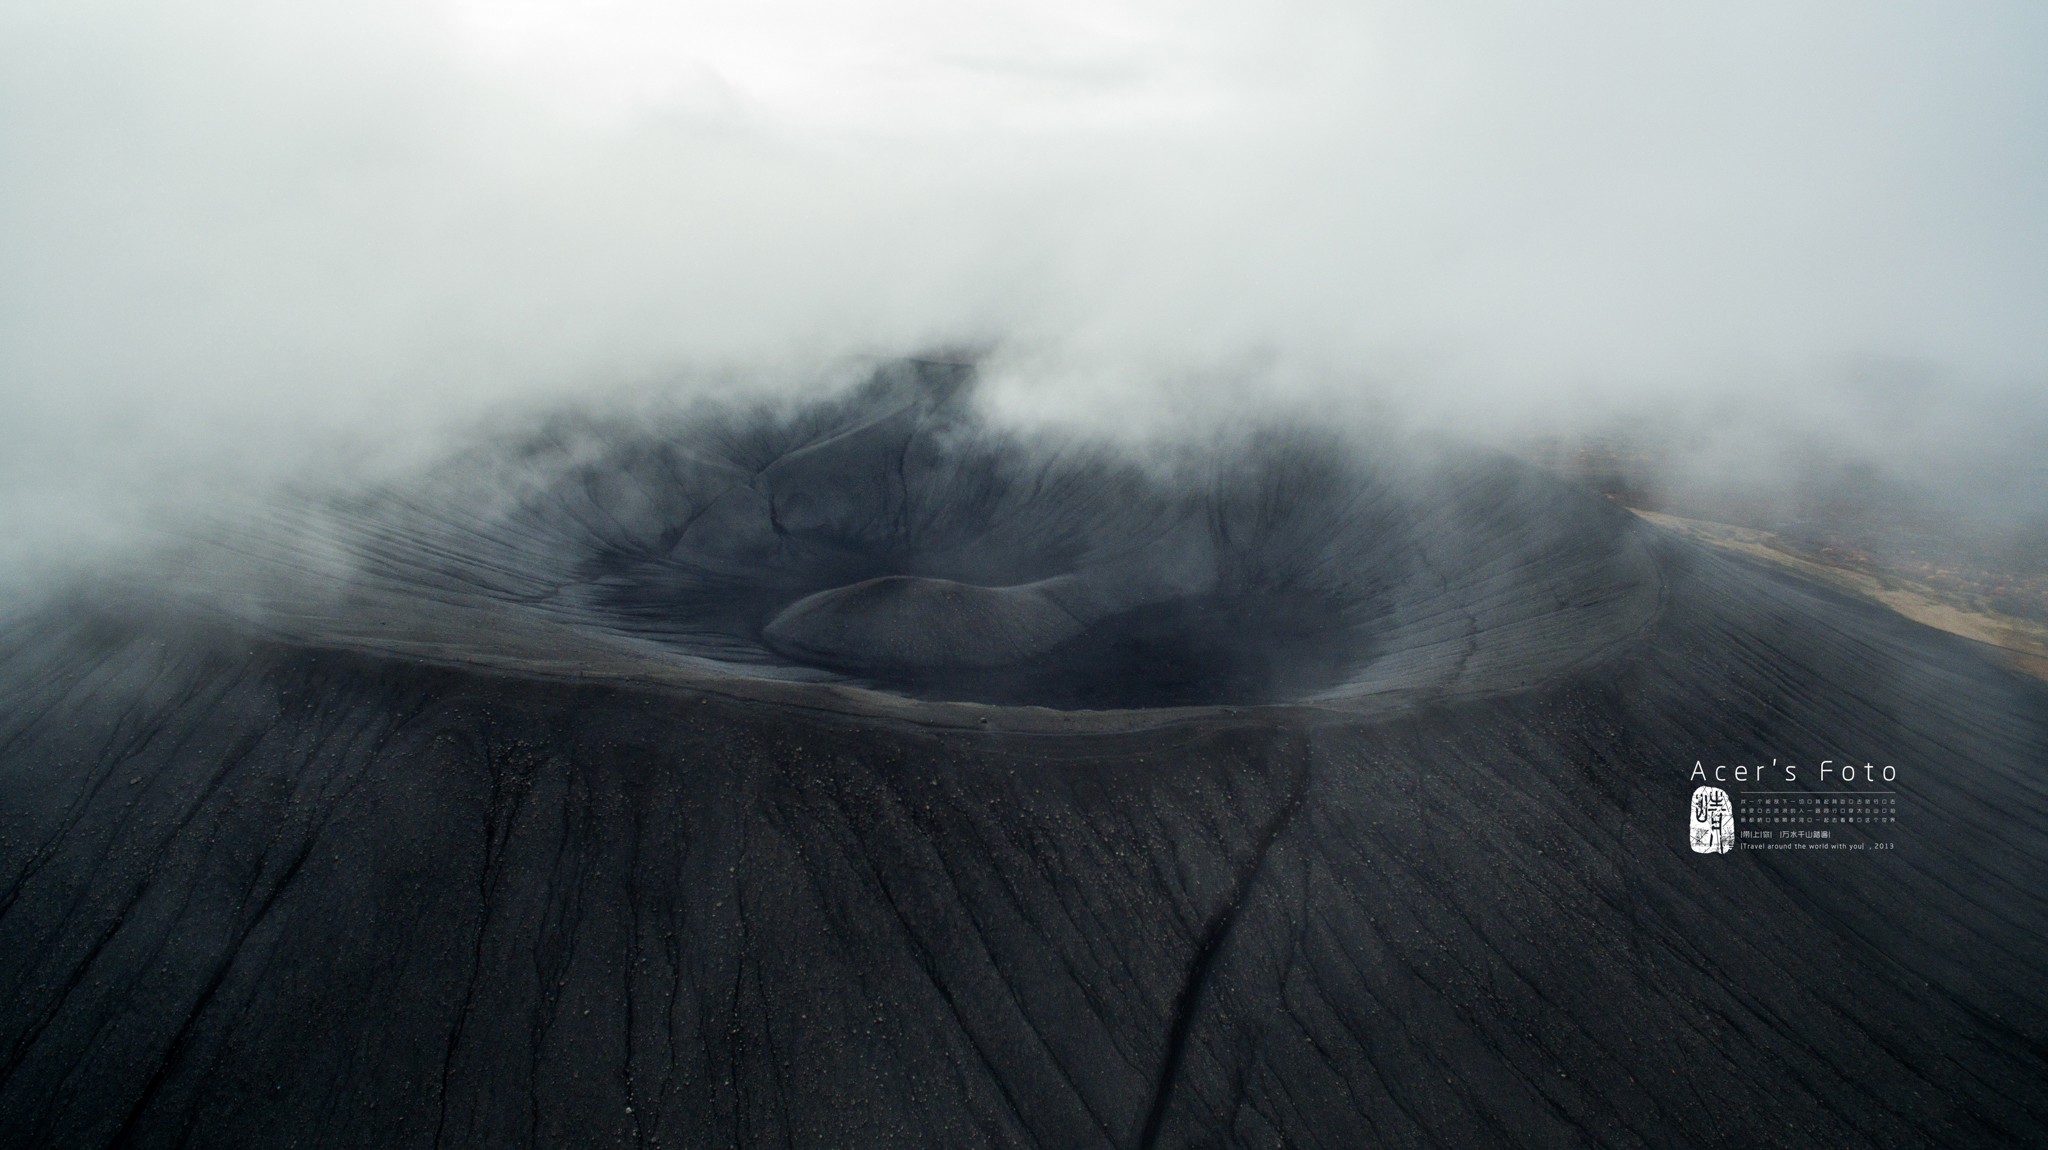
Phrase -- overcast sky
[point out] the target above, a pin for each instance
(234, 234)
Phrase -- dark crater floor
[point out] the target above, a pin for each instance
(854, 773)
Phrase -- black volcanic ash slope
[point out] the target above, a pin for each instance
(855, 776)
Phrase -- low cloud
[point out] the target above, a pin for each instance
(240, 242)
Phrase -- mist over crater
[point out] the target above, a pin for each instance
(490, 657)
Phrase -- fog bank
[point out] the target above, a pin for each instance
(239, 242)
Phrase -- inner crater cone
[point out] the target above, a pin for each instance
(901, 625)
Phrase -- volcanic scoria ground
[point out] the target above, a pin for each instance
(856, 774)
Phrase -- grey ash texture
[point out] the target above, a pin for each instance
(856, 775)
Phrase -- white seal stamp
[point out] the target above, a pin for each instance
(1713, 822)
